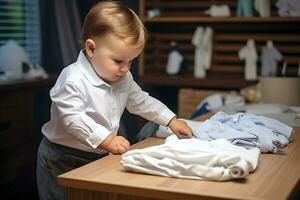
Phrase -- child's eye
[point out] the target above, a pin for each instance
(118, 61)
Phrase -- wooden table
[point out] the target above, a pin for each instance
(277, 177)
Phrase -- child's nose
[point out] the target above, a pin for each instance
(125, 67)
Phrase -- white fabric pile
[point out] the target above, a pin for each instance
(216, 160)
(224, 147)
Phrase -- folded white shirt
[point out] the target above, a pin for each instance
(217, 160)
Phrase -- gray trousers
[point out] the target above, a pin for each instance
(53, 160)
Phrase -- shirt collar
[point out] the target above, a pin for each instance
(87, 69)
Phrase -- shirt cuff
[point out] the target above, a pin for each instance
(165, 117)
(97, 136)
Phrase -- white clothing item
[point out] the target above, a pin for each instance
(164, 131)
(271, 134)
(269, 57)
(276, 126)
(216, 101)
(197, 41)
(263, 7)
(209, 130)
(85, 109)
(174, 62)
(246, 130)
(218, 11)
(246, 135)
(155, 12)
(36, 71)
(248, 53)
(207, 47)
(199, 71)
(234, 99)
(216, 160)
(202, 40)
(212, 102)
(288, 7)
(213, 129)
(12, 55)
(207, 127)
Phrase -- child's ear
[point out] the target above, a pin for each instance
(90, 47)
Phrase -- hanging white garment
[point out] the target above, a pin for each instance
(12, 55)
(197, 41)
(174, 62)
(248, 53)
(216, 160)
(263, 7)
(207, 47)
(269, 59)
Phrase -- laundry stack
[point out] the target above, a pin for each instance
(246, 130)
(216, 160)
(242, 129)
(223, 147)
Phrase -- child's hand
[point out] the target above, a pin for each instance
(115, 144)
(180, 128)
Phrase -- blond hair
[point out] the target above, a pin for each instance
(113, 17)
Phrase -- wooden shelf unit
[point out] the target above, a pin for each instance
(188, 82)
(200, 19)
(178, 21)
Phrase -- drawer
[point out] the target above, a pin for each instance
(16, 136)
(16, 99)
(18, 165)
(16, 126)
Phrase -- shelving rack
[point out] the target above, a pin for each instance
(178, 21)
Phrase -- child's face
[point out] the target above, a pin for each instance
(111, 57)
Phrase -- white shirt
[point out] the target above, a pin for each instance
(85, 109)
(249, 54)
(217, 160)
(174, 61)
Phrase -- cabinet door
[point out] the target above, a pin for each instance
(17, 145)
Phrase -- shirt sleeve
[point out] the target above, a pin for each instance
(141, 103)
(69, 102)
